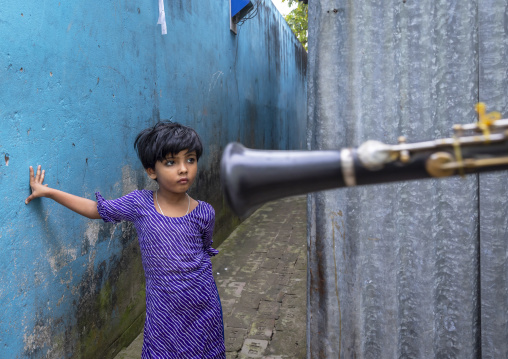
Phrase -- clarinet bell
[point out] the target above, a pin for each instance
(250, 178)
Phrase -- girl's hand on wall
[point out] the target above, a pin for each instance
(39, 189)
(85, 207)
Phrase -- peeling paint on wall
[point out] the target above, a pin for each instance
(92, 232)
(39, 337)
(61, 259)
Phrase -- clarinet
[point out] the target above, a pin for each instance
(252, 177)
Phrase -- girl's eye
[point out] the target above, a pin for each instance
(191, 160)
(170, 163)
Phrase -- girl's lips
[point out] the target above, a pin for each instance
(183, 180)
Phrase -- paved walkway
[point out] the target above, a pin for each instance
(261, 275)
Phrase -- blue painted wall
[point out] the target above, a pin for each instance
(78, 81)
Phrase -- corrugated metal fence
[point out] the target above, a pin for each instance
(416, 269)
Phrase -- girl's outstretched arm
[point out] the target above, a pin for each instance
(84, 206)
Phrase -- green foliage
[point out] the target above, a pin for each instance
(290, 2)
(297, 20)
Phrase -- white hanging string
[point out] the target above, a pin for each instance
(162, 18)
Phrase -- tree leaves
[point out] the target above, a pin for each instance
(297, 20)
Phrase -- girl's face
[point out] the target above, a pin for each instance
(175, 173)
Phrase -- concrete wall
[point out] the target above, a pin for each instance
(78, 81)
(416, 269)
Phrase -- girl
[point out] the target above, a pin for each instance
(183, 309)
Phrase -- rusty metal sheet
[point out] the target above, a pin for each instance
(493, 190)
(393, 269)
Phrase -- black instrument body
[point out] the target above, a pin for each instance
(252, 177)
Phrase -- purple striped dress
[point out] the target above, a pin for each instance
(183, 309)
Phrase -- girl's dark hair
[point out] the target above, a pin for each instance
(155, 143)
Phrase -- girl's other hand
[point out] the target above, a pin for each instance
(39, 189)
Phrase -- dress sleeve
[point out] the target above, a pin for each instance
(208, 232)
(117, 210)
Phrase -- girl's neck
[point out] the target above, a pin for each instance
(175, 205)
(171, 197)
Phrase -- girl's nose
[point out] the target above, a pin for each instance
(183, 168)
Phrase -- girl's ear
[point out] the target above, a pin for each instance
(151, 173)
